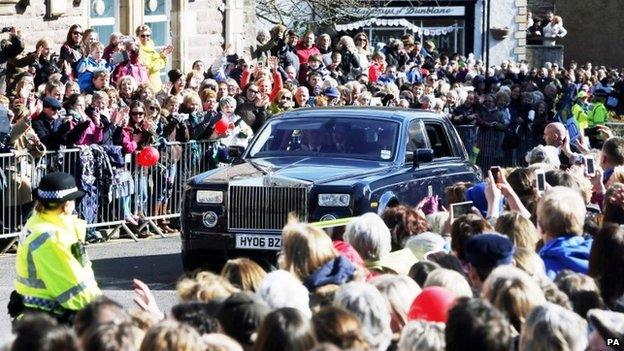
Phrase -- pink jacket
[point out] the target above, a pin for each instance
(93, 135)
(136, 71)
(128, 145)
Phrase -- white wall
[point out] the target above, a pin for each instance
(503, 14)
(478, 24)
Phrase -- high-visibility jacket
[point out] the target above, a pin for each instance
(578, 111)
(48, 276)
(597, 114)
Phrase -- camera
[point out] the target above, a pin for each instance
(6, 29)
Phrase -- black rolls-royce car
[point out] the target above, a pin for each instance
(318, 164)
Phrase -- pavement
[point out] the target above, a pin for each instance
(156, 261)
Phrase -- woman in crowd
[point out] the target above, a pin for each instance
(71, 51)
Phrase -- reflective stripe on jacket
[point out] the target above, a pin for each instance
(48, 275)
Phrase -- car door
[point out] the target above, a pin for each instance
(449, 162)
(416, 182)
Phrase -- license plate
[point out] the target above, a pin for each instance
(257, 241)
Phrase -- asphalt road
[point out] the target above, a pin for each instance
(155, 261)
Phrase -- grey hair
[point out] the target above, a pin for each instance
(369, 236)
(227, 100)
(450, 279)
(369, 306)
(552, 327)
(399, 292)
(281, 288)
(544, 154)
(421, 335)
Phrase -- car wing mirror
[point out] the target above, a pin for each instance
(421, 156)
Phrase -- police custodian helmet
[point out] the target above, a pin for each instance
(57, 187)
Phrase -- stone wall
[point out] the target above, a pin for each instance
(593, 35)
(199, 29)
(33, 22)
(196, 26)
(537, 55)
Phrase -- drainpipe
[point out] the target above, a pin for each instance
(483, 32)
(487, 34)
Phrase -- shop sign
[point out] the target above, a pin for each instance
(422, 11)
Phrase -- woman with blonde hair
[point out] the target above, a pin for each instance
(519, 229)
(283, 102)
(308, 253)
(351, 66)
(514, 293)
(205, 286)
(363, 50)
(243, 273)
(399, 291)
(153, 60)
(126, 86)
(171, 335)
(89, 37)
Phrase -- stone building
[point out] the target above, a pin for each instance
(594, 32)
(463, 26)
(196, 28)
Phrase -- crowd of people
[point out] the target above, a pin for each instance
(530, 268)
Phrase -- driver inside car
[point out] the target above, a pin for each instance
(314, 140)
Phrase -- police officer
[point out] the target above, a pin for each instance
(53, 272)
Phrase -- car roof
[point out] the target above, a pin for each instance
(391, 113)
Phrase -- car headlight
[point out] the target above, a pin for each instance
(209, 196)
(334, 200)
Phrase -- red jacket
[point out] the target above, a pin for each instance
(374, 72)
(304, 53)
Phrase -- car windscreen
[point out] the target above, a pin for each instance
(362, 138)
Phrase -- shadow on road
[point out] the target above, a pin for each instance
(159, 272)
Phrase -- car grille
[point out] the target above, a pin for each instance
(265, 208)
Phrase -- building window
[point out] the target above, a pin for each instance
(155, 16)
(103, 15)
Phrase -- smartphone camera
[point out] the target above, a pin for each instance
(590, 164)
(461, 208)
(540, 179)
(495, 173)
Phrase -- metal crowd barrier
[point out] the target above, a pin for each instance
(616, 127)
(157, 190)
(493, 154)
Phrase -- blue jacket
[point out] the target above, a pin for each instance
(337, 271)
(566, 252)
(86, 66)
